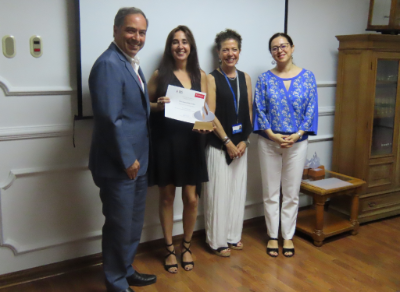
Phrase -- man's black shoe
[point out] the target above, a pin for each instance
(138, 279)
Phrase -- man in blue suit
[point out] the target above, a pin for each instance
(119, 154)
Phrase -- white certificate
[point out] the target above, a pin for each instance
(183, 103)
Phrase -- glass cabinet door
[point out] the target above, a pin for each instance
(385, 104)
(397, 17)
(381, 12)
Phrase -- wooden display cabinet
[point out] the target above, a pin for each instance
(367, 122)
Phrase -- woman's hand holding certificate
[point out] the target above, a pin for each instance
(189, 106)
(183, 103)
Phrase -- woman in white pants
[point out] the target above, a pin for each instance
(229, 97)
(285, 113)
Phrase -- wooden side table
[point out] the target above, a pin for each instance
(320, 224)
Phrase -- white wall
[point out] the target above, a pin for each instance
(96, 36)
(49, 207)
(313, 26)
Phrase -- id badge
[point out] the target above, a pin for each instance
(237, 128)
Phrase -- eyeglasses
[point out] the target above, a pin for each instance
(283, 47)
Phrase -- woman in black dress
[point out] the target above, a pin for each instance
(178, 152)
(229, 97)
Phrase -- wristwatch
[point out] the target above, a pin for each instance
(247, 142)
(300, 135)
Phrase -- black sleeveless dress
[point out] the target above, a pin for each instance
(178, 152)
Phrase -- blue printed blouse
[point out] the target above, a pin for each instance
(286, 111)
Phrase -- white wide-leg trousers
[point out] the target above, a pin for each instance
(281, 165)
(224, 198)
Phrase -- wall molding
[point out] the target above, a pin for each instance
(49, 131)
(67, 90)
(320, 138)
(326, 111)
(326, 83)
(34, 91)
(15, 173)
(20, 248)
(35, 132)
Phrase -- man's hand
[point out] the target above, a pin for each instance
(132, 170)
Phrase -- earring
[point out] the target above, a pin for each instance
(219, 61)
(273, 62)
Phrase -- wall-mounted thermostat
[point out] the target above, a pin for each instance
(35, 42)
(9, 46)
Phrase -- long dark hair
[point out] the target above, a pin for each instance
(167, 66)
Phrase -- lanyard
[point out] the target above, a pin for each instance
(233, 93)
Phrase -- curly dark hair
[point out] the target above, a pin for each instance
(280, 34)
(227, 35)
(165, 72)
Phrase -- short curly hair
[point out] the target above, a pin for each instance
(227, 35)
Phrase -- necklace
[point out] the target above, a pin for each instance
(231, 78)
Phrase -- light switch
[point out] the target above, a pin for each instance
(36, 45)
(9, 46)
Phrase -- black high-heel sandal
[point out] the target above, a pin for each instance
(187, 249)
(167, 267)
(270, 249)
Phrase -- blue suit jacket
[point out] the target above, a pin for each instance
(121, 116)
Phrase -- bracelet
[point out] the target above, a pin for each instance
(225, 138)
(247, 142)
(227, 141)
(300, 135)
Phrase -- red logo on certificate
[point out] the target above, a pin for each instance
(199, 95)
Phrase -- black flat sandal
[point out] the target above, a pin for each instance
(285, 250)
(187, 249)
(270, 249)
(167, 267)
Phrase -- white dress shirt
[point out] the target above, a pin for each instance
(135, 64)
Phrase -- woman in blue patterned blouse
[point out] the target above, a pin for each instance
(285, 113)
